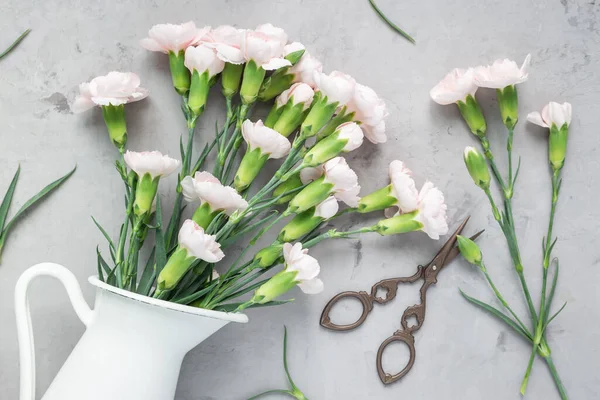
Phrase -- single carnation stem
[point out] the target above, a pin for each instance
(500, 297)
(508, 229)
(542, 320)
(509, 143)
(281, 391)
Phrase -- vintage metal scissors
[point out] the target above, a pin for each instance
(428, 273)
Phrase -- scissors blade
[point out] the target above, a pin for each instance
(442, 255)
(455, 251)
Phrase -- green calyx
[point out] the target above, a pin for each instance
(231, 78)
(280, 80)
(269, 255)
(279, 284)
(179, 72)
(295, 56)
(275, 84)
(293, 182)
(177, 265)
(199, 89)
(273, 115)
(336, 121)
(477, 167)
(314, 193)
(302, 224)
(473, 116)
(557, 146)
(399, 224)
(378, 200)
(508, 102)
(250, 166)
(145, 192)
(251, 82)
(114, 118)
(324, 150)
(204, 215)
(469, 250)
(290, 118)
(320, 113)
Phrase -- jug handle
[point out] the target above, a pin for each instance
(23, 316)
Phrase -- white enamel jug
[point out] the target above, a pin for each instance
(132, 348)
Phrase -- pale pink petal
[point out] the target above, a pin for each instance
(276, 63)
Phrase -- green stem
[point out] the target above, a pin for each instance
(500, 297)
(540, 326)
(227, 157)
(558, 382)
(509, 143)
(490, 157)
(222, 142)
(282, 391)
(508, 229)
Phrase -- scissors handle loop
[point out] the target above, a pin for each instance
(367, 305)
(398, 336)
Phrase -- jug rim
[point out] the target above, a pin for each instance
(227, 316)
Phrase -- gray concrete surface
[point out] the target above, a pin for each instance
(462, 352)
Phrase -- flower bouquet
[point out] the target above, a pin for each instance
(314, 119)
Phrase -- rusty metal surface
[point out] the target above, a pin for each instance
(429, 274)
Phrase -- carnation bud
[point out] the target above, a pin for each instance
(269, 255)
(469, 250)
(199, 88)
(177, 265)
(179, 72)
(249, 168)
(203, 215)
(314, 193)
(471, 112)
(114, 117)
(557, 146)
(477, 167)
(293, 182)
(279, 284)
(402, 223)
(251, 82)
(378, 200)
(347, 137)
(144, 194)
(231, 78)
(320, 113)
(508, 102)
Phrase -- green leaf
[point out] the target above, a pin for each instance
(285, 364)
(517, 172)
(244, 290)
(5, 206)
(148, 276)
(105, 234)
(15, 43)
(174, 221)
(498, 314)
(195, 296)
(390, 23)
(100, 274)
(32, 201)
(552, 290)
(233, 306)
(555, 315)
(110, 277)
(161, 252)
